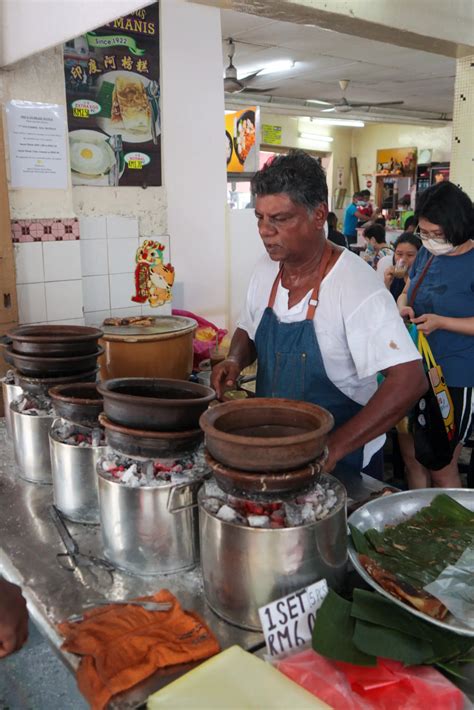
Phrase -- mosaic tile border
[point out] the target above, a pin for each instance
(44, 230)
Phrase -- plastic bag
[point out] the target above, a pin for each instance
(204, 338)
(455, 588)
(387, 686)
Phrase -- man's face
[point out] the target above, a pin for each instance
(289, 232)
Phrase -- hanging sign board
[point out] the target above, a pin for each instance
(271, 135)
(37, 145)
(288, 622)
(242, 144)
(113, 102)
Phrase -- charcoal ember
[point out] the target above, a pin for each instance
(212, 505)
(258, 521)
(9, 378)
(74, 435)
(308, 513)
(230, 515)
(35, 405)
(293, 514)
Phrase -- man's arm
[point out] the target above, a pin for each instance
(13, 618)
(242, 353)
(404, 384)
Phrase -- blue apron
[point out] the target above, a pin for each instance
(290, 363)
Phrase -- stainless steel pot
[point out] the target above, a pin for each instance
(245, 568)
(10, 394)
(149, 530)
(75, 480)
(31, 443)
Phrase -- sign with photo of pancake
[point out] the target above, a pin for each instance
(113, 102)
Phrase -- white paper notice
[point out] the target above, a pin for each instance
(288, 622)
(37, 145)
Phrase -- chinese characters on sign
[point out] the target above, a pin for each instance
(37, 145)
(113, 102)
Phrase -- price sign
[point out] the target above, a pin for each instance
(80, 112)
(288, 622)
(135, 164)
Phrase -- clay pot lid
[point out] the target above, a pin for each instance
(163, 327)
(268, 484)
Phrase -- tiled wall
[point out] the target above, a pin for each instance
(48, 271)
(462, 154)
(64, 279)
(108, 247)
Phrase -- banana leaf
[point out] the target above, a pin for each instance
(389, 643)
(333, 631)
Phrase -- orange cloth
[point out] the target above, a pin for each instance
(122, 645)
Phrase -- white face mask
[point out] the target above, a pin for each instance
(438, 248)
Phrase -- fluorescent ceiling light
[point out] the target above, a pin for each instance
(278, 66)
(322, 103)
(337, 122)
(315, 137)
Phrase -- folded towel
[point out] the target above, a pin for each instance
(123, 645)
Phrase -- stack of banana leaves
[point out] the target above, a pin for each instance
(406, 557)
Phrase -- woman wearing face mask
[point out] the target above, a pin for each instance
(441, 287)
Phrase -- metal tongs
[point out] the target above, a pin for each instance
(73, 558)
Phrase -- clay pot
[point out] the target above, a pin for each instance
(266, 434)
(54, 340)
(80, 402)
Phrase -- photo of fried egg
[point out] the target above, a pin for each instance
(90, 154)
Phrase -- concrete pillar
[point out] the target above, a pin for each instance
(462, 154)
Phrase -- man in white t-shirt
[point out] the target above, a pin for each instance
(319, 320)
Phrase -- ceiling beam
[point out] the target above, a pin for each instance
(444, 27)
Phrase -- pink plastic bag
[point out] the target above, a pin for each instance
(202, 348)
(387, 686)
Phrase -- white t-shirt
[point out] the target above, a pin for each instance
(384, 263)
(358, 327)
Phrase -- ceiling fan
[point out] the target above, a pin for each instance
(232, 85)
(344, 105)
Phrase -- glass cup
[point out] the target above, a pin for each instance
(400, 270)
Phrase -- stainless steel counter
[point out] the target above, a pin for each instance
(29, 544)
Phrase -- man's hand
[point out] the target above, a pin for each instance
(428, 323)
(224, 375)
(407, 312)
(13, 618)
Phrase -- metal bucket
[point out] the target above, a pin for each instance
(149, 530)
(75, 480)
(31, 443)
(10, 394)
(245, 568)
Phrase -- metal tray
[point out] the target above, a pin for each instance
(394, 509)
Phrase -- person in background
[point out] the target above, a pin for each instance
(410, 224)
(13, 618)
(395, 275)
(351, 218)
(439, 299)
(364, 207)
(333, 235)
(375, 235)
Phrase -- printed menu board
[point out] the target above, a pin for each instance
(113, 102)
(242, 131)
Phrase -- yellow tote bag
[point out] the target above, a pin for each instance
(438, 385)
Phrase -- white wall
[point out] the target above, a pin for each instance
(244, 248)
(31, 26)
(193, 153)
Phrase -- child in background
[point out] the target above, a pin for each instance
(364, 206)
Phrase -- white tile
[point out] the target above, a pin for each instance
(29, 262)
(94, 257)
(122, 288)
(93, 227)
(70, 321)
(96, 293)
(122, 227)
(122, 255)
(96, 318)
(125, 312)
(31, 303)
(164, 310)
(62, 261)
(63, 300)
